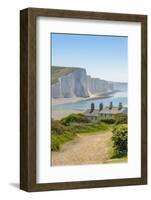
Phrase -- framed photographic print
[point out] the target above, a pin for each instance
(83, 93)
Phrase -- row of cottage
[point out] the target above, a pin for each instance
(94, 114)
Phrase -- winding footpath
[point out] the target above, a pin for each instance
(85, 149)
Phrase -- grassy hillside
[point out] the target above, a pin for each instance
(67, 129)
(57, 72)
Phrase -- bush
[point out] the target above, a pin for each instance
(108, 120)
(115, 119)
(121, 119)
(75, 118)
(119, 139)
(57, 127)
(55, 142)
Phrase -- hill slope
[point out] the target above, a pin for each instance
(58, 72)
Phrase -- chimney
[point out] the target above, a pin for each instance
(100, 106)
(111, 105)
(92, 107)
(120, 106)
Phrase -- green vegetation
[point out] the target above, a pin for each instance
(68, 128)
(60, 139)
(119, 139)
(58, 72)
(117, 160)
(116, 119)
(121, 119)
(80, 118)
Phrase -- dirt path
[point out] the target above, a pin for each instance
(85, 149)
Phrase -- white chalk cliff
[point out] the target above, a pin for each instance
(79, 84)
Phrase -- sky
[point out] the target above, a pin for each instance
(104, 57)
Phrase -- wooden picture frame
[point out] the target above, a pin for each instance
(28, 98)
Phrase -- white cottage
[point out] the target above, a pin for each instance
(94, 114)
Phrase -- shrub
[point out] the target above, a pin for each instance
(55, 143)
(108, 120)
(57, 127)
(119, 139)
(115, 119)
(75, 118)
(121, 119)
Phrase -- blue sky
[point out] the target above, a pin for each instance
(104, 57)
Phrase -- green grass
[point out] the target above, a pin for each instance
(58, 72)
(118, 160)
(71, 131)
(67, 129)
(88, 127)
(57, 140)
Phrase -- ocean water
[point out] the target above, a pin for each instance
(85, 104)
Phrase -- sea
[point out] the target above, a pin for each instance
(115, 98)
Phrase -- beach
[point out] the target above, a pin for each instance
(60, 113)
(59, 101)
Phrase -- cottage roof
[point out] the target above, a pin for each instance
(95, 113)
(114, 110)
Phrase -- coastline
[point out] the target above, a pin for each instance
(60, 101)
(58, 114)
